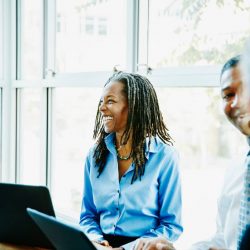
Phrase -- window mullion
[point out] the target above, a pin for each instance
(49, 32)
(8, 94)
(132, 34)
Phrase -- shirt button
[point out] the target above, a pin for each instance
(117, 208)
(124, 176)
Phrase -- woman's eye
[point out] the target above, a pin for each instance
(110, 101)
(228, 96)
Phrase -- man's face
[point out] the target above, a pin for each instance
(232, 92)
(245, 93)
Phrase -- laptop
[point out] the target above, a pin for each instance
(16, 226)
(63, 236)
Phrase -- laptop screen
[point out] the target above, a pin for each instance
(15, 224)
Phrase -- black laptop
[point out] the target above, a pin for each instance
(63, 236)
(16, 226)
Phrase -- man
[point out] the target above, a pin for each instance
(228, 207)
(244, 102)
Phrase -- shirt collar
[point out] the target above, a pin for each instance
(152, 147)
(109, 140)
(149, 148)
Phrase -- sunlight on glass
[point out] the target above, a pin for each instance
(90, 35)
(31, 171)
(1, 40)
(31, 39)
(1, 145)
(73, 123)
(187, 34)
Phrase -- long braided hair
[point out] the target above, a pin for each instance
(144, 120)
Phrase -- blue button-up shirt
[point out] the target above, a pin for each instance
(149, 207)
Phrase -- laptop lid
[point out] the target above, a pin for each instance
(16, 226)
(63, 236)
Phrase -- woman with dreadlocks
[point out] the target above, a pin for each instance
(131, 177)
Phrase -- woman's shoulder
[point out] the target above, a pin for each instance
(91, 150)
(161, 146)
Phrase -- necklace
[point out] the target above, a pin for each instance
(120, 157)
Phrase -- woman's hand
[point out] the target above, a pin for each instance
(159, 243)
(102, 244)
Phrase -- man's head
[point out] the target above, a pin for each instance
(232, 95)
(245, 94)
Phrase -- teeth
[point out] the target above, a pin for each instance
(107, 118)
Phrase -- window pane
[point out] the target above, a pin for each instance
(90, 35)
(31, 39)
(187, 32)
(1, 40)
(73, 122)
(31, 171)
(1, 140)
(207, 144)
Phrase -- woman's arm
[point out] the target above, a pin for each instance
(89, 218)
(170, 202)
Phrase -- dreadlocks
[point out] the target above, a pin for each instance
(144, 120)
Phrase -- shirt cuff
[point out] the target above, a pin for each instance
(130, 245)
(95, 237)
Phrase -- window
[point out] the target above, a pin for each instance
(73, 121)
(1, 42)
(89, 25)
(31, 137)
(187, 34)
(102, 26)
(95, 49)
(1, 149)
(31, 39)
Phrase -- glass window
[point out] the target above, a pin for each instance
(92, 36)
(1, 141)
(30, 128)
(73, 122)
(89, 25)
(186, 32)
(102, 26)
(31, 39)
(207, 144)
(1, 40)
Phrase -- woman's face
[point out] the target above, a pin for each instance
(114, 108)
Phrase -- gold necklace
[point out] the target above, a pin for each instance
(121, 157)
(124, 158)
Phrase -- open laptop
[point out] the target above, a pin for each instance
(16, 226)
(63, 236)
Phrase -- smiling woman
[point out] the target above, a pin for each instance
(131, 177)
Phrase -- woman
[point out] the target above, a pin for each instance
(131, 178)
